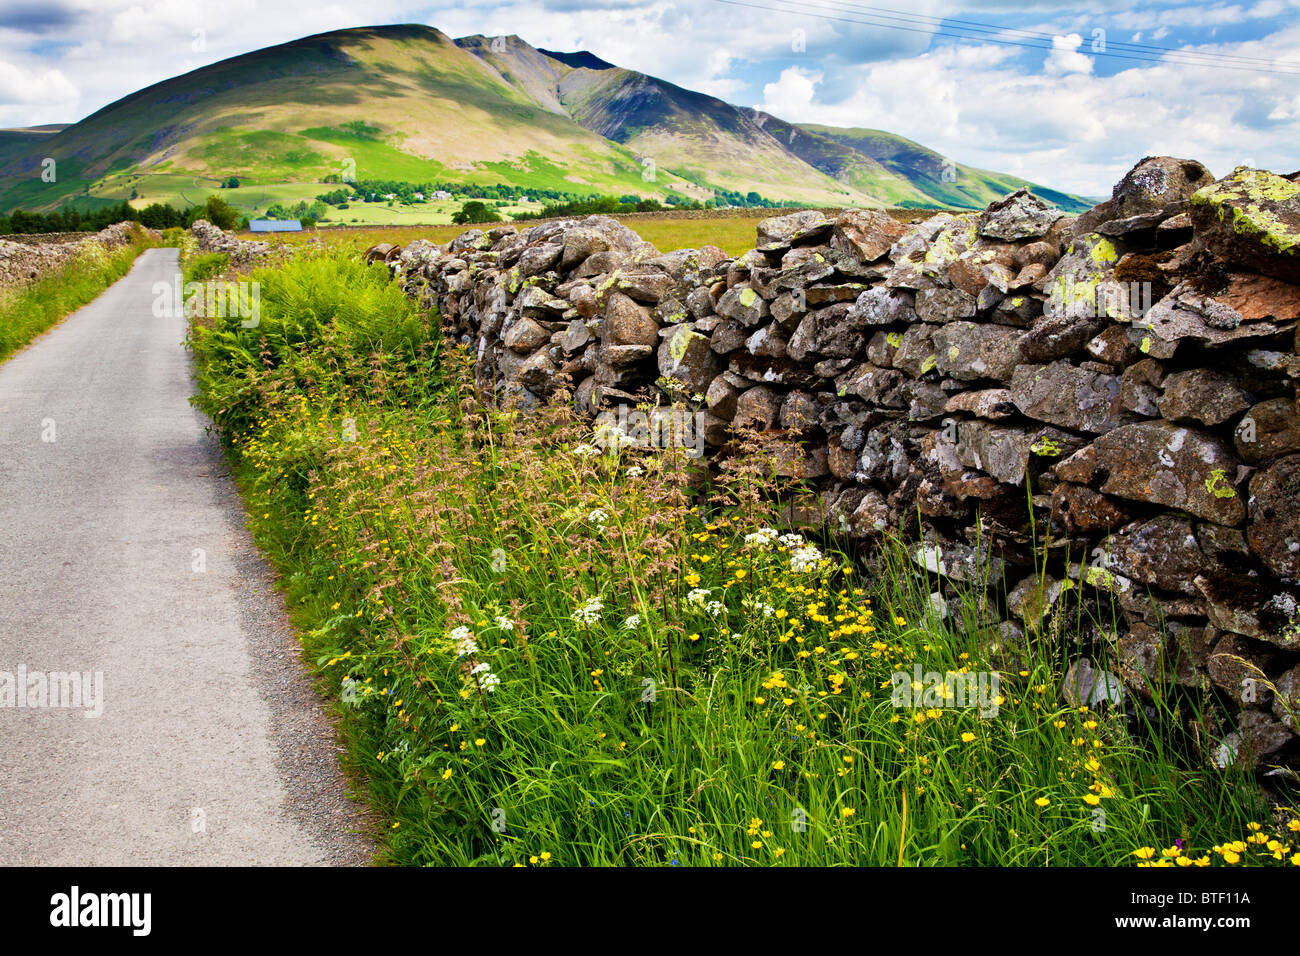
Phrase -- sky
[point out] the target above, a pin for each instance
(1065, 94)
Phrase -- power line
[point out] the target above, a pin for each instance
(931, 31)
(972, 25)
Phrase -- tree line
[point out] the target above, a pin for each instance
(156, 216)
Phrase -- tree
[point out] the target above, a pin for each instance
(216, 211)
(230, 182)
(475, 211)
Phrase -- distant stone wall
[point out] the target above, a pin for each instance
(27, 258)
(1135, 365)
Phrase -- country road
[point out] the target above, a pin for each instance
(125, 554)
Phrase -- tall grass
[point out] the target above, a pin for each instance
(548, 655)
(28, 310)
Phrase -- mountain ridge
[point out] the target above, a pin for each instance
(408, 102)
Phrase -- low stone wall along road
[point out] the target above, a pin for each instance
(172, 722)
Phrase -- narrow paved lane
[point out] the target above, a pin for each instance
(123, 552)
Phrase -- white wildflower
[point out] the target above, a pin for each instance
(762, 538)
(598, 517)
(804, 558)
(635, 471)
(464, 641)
(633, 622)
(505, 623)
(585, 451)
(589, 613)
(792, 541)
(697, 596)
(714, 608)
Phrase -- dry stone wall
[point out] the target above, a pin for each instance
(26, 259)
(1130, 373)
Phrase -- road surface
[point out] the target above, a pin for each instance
(123, 553)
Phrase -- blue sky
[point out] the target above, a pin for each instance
(1066, 94)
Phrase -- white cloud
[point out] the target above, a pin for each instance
(1065, 56)
(22, 88)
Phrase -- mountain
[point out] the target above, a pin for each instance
(410, 103)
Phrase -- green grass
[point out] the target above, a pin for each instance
(27, 311)
(752, 724)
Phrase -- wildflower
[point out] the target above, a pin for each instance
(779, 765)
(464, 641)
(446, 774)
(1091, 799)
(504, 623)
(847, 812)
(632, 622)
(598, 517)
(762, 538)
(1144, 852)
(479, 742)
(967, 737)
(1042, 801)
(696, 597)
(805, 558)
(585, 451)
(589, 613)
(635, 471)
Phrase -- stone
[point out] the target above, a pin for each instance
(721, 398)
(768, 341)
(1162, 552)
(537, 259)
(1274, 527)
(1114, 346)
(1139, 389)
(1251, 218)
(825, 332)
(1170, 465)
(1286, 702)
(943, 305)
(800, 413)
(1204, 396)
(883, 306)
(685, 355)
(1269, 430)
(994, 404)
(1086, 685)
(743, 304)
(915, 353)
(806, 226)
(628, 322)
(727, 337)
(1240, 667)
(1067, 395)
(593, 235)
(969, 351)
(1142, 658)
(865, 235)
(1156, 182)
(575, 336)
(758, 408)
(1247, 605)
(525, 336)
(1079, 509)
(1019, 215)
(996, 450)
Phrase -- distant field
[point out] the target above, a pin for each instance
(732, 231)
